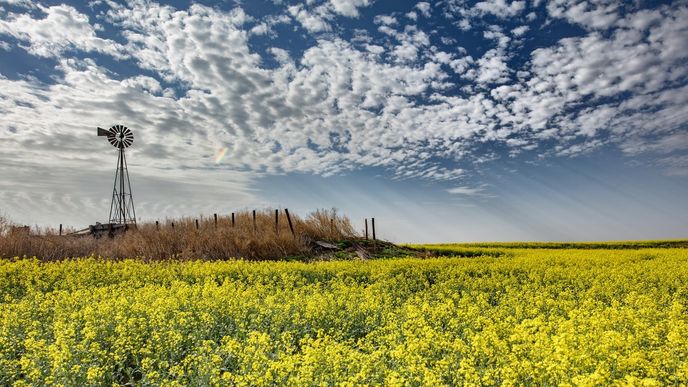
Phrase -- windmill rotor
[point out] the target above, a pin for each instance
(118, 135)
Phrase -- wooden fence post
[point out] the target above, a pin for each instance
(291, 227)
(232, 219)
(254, 220)
(196, 224)
(366, 228)
(157, 225)
(372, 220)
(277, 222)
(172, 225)
(215, 216)
(60, 228)
(332, 226)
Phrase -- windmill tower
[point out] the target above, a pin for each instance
(122, 207)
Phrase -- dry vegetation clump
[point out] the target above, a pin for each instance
(180, 239)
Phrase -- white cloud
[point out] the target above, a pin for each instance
(348, 7)
(318, 18)
(282, 56)
(519, 31)
(591, 14)
(500, 8)
(144, 83)
(260, 29)
(310, 21)
(467, 191)
(492, 68)
(62, 28)
(385, 20)
(20, 3)
(411, 41)
(424, 8)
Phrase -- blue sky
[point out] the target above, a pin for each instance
(446, 121)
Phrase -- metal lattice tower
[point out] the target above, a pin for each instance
(122, 206)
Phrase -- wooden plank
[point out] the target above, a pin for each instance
(327, 245)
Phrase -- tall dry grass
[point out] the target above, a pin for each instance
(180, 239)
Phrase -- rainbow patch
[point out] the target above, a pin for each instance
(220, 155)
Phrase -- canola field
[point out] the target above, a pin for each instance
(525, 316)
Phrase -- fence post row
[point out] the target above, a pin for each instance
(291, 227)
(286, 212)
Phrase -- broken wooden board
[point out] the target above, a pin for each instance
(327, 245)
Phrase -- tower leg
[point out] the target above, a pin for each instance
(122, 205)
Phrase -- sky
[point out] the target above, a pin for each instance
(446, 121)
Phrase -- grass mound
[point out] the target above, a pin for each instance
(183, 239)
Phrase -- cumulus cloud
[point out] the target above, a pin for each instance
(20, 3)
(385, 19)
(62, 28)
(349, 7)
(595, 15)
(500, 8)
(311, 21)
(424, 8)
(519, 31)
(317, 18)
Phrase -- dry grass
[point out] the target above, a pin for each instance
(180, 239)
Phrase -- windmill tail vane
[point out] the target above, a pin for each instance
(122, 206)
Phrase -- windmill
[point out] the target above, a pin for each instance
(122, 213)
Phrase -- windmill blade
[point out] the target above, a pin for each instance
(118, 136)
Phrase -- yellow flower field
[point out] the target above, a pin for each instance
(527, 316)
